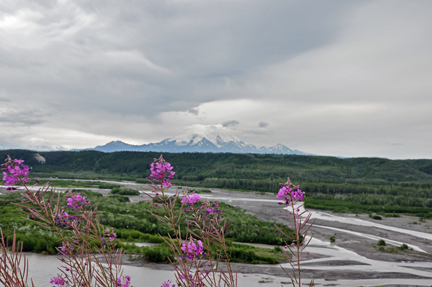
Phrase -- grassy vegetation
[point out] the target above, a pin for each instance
(134, 223)
(391, 249)
(35, 238)
(124, 191)
(239, 253)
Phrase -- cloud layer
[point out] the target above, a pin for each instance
(344, 78)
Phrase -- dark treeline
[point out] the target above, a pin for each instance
(363, 181)
(269, 168)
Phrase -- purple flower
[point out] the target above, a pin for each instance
(75, 201)
(113, 236)
(62, 215)
(188, 199)
(293, 192)
(283, 191)
(14, 171)
(193, 248)
(124, 281)
(167, 284)
(161, 171)
(64, 251)
(59, 281)
(297, 195)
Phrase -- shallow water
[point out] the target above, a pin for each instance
(43, 267)
(376, 238)
(361, 222)
(337, 253)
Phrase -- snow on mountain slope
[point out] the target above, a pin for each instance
(216, 134)
(200, 139)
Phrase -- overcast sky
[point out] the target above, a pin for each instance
(342, 78)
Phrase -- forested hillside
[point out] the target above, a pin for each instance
(211, 166)
(371, 184)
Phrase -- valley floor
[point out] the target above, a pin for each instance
(354, 259)
(354, 256)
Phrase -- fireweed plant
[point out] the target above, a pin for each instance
(88, 255)
(202, 258)
(292, 196)
(12, 272)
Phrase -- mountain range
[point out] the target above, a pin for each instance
(199, 142)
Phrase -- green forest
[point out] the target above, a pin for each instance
(361, 185)
(250, 167)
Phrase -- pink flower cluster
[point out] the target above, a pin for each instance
(112, 236)
(168, 284)
(62, 217)
(192, 249)
(14, 171)
(190, 199)
(124, 281)
(63, 250)
(162, 171)
(296, 194)
(59, 281)
(76, 201)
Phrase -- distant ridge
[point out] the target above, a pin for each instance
(207, 140)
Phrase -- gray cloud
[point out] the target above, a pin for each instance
(230, 123)
(11, 117)
(345, 70)
(193, 111)
(263, 124)
(104, 56)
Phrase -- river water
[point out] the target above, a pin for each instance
(43, 267)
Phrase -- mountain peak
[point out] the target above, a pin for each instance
(200, 138)
(216, 134)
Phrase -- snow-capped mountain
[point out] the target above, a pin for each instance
(205, 140)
